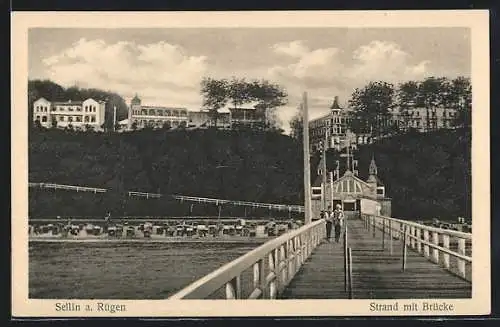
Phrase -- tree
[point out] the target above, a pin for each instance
(268, 96)
(166, 125)
(461, 98)
(38, 124)
(432, 91)
(215, 96)
(53, 122)
(238, 92)
(407, 97)
(134, 125)
(371, 106)
(296, 127)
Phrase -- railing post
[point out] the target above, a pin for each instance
(446, 256)
(277, 269)
(435, 252)
(262, 279)
(283, 268)
(383, 234)
(373, 225)
(233, 288)
(390, 236)
(426, 239)
(290, 257)
(272, 283)
(419, 240)
(412, 240)
(346, 263)
(404, 247)
(461, 262)
(349, 255)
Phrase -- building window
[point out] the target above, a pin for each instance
(78, 108)
(93, 108)
(53, 109)
(167, 113)
(92, 119)
(37, 117)
(78, 119)
(61, 108)
(159, 112)
(44, 119)
(86, 119)
(70, 118)
(70, 108)
(144, 112)
(61, 118)
(151, 112)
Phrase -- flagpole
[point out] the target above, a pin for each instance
(307, 168)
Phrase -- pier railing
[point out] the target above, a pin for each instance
(262, 273)
(448, 248)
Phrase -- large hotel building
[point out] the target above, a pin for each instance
(77, 114)
(335, 122)
(141, 116)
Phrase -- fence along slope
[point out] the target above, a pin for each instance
(284, 256)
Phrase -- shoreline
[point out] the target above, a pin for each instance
(148, 240)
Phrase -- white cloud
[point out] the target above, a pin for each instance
(293, 49)
(378, 60)
(161, 73)
(385, 61)
(327, 72)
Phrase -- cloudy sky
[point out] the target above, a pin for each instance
(165, 66)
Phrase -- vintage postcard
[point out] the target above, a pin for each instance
(322, 163)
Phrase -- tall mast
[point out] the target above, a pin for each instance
(307, 168)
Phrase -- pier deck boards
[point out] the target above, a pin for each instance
(376, 273)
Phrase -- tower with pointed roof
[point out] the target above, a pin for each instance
(335, 105)
(134, 108)
(376, 184)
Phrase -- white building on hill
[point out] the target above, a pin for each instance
(77, 114)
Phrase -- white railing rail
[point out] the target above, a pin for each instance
(273, 264)
(437, 244)
(271, 206)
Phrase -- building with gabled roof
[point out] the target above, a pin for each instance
(350, 191)
(89, 113)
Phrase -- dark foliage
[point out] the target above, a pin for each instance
(237, 165)
(426, 175)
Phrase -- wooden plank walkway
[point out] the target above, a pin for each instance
(376, 273)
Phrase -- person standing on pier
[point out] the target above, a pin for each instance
(329, 222)
(338, 221)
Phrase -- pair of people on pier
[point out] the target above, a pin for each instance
(334, 219)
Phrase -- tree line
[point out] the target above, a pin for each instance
(266, 96)
(372, 105)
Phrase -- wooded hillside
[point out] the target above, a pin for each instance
(426, 175)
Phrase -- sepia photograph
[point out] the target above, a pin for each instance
(276, 157)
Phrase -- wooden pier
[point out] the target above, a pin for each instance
(376, 273)
(377, 258)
